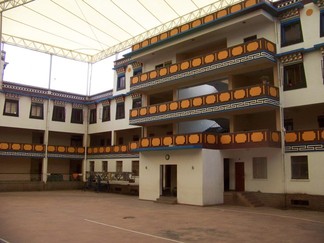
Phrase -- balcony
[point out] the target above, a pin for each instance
(247, 97)
(22, 149)
(260, 49)
(65, 151)
(304, 140)
(111, 151)
(237, 140)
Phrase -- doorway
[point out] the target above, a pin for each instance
(168, 175)
(226, 175)
(75, 169)
(36, 166)
(239, 176)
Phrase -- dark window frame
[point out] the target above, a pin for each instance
(120, 110)
(93, 116)
(106, 113)
(77, 115)
(121, 82)
(299, 167)
(289, 124)
(289, 27)
(58, 113)
(294, 76)
(11, 113)
(321, 23)
(36, 106)
(260, 167)
(137, 103)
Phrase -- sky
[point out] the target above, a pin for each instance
(33, 68)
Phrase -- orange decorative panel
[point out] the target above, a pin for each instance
(253, 46)
(239, 94)
(143, 77)
(194, 139)
(143, 111)
(123, 148)
(250, 3)
(225, 139)
(222, 55)
(209, 18)
(224, 97)
(101, 150)
(154, 39)
(28, 147)
(167, 141)
(270, 47)
(257, 137)
(152, 109)
(275, 136)
(163, 71)
(173, 68)
(80, 150)
(153, 74)
(39, 148)
(145, 43)
(156, 142)
(95, 150)
(196, 62)
(180, 140)
(322, 134)
(174, 31)
(61, 149)
(4, 146)
(174, 106)
(162, 108)
(163, 36)
(15, 146)
(71, 149)
(196, 23)
(308, 136)
(211, 139)
(236, 8)
(291, 137)
(134, 145)
(185, 27)
(134, 113)
(108, 149)
(237, 50)
(185, 104)
(210, 99)
(90, 150)
(116, 149)
(145, 142)
(222, 13)
(241, 138)
(273, 91)
(197, 101)
(185, 65)
(209, 58)
(255, 91)
(135, 80)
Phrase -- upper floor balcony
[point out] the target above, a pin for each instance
(237, 140)
(304, 140)
(259, 50)
(261, 95)
(112, 151)
(38, 150)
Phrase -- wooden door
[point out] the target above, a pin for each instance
(239, 176)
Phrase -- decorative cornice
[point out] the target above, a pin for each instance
(291, 58)
(289, 14)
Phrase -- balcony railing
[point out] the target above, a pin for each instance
(250, 139)
(203, 105)
(65, 149)
(21, 147)
(117, 149)
(304, 140)
(206, 63)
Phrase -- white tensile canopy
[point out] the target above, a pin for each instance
(92, 30)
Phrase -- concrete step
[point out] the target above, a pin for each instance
(249, 199)
(166, 200)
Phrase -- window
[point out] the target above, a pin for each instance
(135, 168)
(289, 124)
(322, 24)
(106, 113)
(294, 77)
(76, 141)
(77, 116)
(58, 113)
(250, 38)
(104, 166)
(320, 120)
(119, 166)
(93, 116)
(92, 167)
(121, 82)
(299, 167)
(137, 71)
(36, 111)
(11, 108)
(159, 66)
(137, 103)
(120, 111)
(260, 168)
(291, 33)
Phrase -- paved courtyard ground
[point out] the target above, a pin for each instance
(79, 216)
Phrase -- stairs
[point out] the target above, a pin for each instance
(166, 200)
(249, 199)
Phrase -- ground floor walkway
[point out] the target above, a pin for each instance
(85, 216)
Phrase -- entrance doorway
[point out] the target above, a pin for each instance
(36, 166)
(226, 175)
(239, 176)
(168, 180)
(75, 169)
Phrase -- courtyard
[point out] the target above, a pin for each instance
(86, 216)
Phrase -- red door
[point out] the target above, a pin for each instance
(239, 176)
